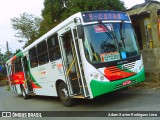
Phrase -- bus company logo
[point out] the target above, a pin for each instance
(42, 73)
(6, 114)
(60, 68)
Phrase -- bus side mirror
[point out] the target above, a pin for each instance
(80, 31)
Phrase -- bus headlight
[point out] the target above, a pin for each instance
(91, 75)
(102, 78)
(96, 76)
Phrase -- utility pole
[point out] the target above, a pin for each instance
(7, 46)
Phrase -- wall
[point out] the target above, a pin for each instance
(151, 59)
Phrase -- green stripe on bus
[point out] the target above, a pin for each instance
(19, 54)
(100, 87)
(32, 78)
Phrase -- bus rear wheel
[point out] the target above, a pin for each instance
(64, 96)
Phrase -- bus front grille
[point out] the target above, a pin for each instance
(120, 68)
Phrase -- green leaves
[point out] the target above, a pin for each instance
(27, 26)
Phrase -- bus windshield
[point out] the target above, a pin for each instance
(105, 42)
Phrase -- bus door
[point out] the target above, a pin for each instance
(73, 72)
(27, 82)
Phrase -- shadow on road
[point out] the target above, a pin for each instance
(108, 100)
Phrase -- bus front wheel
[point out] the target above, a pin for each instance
(64, 96)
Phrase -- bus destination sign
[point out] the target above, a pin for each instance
(96, 16)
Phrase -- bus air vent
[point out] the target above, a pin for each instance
(129, 65)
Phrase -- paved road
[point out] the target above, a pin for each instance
(130, 100)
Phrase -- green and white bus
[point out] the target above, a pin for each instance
(89, 54)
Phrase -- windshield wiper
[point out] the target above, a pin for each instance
(108, 32)
(121, 30)
(111, 34)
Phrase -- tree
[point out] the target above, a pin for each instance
(17, 51)
(2, 66)
(51, 15)
(55, 11)
(4, 57)
(27, 26)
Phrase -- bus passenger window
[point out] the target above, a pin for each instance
(33, 57)
(53, 48)
(18, 65)
(42, 53)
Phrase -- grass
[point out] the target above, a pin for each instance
(3, 83)
(8, 88)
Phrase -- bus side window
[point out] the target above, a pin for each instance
(53, 48)
(33, 57)
(18, 66)
(42, 53)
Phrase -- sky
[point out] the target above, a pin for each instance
(10, 9)
(13, 8)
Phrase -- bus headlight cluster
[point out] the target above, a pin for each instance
(102, 78)
(97, 76)
(91, 75)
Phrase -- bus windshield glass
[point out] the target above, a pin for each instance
(105, 42)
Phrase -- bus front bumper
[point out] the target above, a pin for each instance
(100, 87)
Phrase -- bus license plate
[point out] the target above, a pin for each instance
(126, 82)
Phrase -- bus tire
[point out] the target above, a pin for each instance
(64, 96)
(25, 96)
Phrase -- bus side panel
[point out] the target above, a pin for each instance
(45, 77)
(99, 88)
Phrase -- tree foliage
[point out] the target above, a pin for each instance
(27, 26)
(3, 59)
(6, 56)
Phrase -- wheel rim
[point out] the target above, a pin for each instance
(64, 94)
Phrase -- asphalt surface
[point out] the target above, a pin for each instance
(128, 100)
